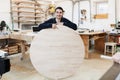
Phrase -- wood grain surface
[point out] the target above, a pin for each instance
(57, 53)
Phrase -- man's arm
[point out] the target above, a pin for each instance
(70, 24)
(46, 24)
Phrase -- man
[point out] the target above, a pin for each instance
(58, 20)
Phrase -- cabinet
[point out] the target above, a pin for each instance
(26, 13)
(100, 43)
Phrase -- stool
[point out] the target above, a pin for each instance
(110, 47)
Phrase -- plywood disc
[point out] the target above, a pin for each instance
(57, 53)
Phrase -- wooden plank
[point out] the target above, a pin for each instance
(101, 16)
(24, 16)
(22, 1)
(22, 11)
(61, 47)
(30, 7)
(112, 73)
(27, 21)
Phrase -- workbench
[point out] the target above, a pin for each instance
(98, 37)
(27, 37)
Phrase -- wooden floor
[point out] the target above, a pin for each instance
(91, 69)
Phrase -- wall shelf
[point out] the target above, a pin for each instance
(27, 12)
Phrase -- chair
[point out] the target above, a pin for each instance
(110, 47)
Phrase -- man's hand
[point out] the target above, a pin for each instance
(54, 26)
(60, 23)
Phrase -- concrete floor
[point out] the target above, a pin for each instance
(90, 69)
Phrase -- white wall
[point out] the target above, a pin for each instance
(5, 12)
(118, 10)
(100, 24)
(76, 13)
(97, 24)
(67, 6)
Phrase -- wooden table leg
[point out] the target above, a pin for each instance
(85, 39)
(22, 49)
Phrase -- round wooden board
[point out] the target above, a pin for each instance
(57, 53)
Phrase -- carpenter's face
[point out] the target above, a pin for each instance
(59, 13)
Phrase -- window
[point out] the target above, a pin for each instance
(101, 10)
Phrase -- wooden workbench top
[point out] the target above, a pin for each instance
(92, 33)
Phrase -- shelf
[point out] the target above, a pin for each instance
(30, 7)
(26, 16)
(29, 16)
(17, 2)
(24, 21)
(41, 12)
(27, 12)
(27, 2)
(22, 11)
